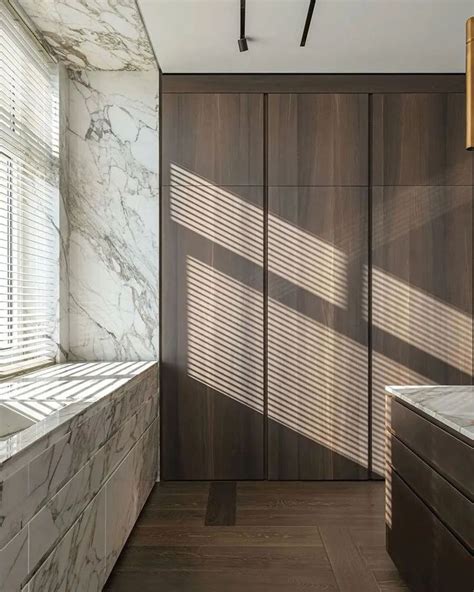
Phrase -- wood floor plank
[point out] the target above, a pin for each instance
(220, 558)
(320, 580)
(183, 487)
(301, 536)
(221, 504)
(306, 518)
(154, 516)
(350, 571)
(275, 544)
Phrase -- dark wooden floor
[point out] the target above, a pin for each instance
(259, 536)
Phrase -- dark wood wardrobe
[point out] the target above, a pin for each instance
(316, 245)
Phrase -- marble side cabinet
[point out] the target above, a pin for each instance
(73, 482)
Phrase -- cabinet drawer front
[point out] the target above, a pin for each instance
(451, 457)
(444, 499)
(427, 554)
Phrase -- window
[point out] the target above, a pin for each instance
(29, 268)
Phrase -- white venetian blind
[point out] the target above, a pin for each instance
(29, 242)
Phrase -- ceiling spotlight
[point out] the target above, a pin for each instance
(243, 46)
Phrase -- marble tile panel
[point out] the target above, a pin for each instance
(78, 562)
(113, 207)
(58, 515)
(52, 469)
(14, 562)
(13, 493)
(127, 491)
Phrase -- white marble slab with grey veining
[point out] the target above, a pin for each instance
(450, 405)
(49, 490)
(93, 34)
(60, 398)
(113, 212)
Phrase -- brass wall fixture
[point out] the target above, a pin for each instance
(470, 83)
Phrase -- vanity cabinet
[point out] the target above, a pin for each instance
(430, 494)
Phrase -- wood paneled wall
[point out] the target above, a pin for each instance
(316, 245)
(212, 287)
(422, 192)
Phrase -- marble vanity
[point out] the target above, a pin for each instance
(78, 458)
(430, 486)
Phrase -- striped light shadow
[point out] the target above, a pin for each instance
(217, 214)
(420, 319)
(317, 383)
(404, 209)
(386, 372)
(50, 388)
(83, 390)
(225, 334)
(234, 223)
(307, 261)
(31, 410)
(83, 370)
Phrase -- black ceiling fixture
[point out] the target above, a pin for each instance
(307, 24)
(242, 41)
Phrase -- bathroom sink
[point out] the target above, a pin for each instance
(13, 421)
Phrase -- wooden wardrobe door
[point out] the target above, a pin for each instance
(419, 139)
(317, 333)
(212, 287)
(318, 139)
(217, 137)
(422, 248)
(212, 332)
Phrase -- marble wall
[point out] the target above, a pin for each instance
(93, 34)
(62, 316)
(111, 235)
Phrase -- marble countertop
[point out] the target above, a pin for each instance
(450, 405)
(35, 405)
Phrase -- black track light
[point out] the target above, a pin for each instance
(307, 24)
(243, 46)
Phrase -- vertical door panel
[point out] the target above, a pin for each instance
(422, 248)
(318, 139)
(212, 287)
(317, 333)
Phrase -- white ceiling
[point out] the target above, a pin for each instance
(348, 36)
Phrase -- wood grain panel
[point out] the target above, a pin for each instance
(448, 503)
(317, 333)
(215, 136)
(312, 83)
(422, 294)
(212, 333)
(319, 139)
(451, 457)
(418, 139)
(428, 556)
